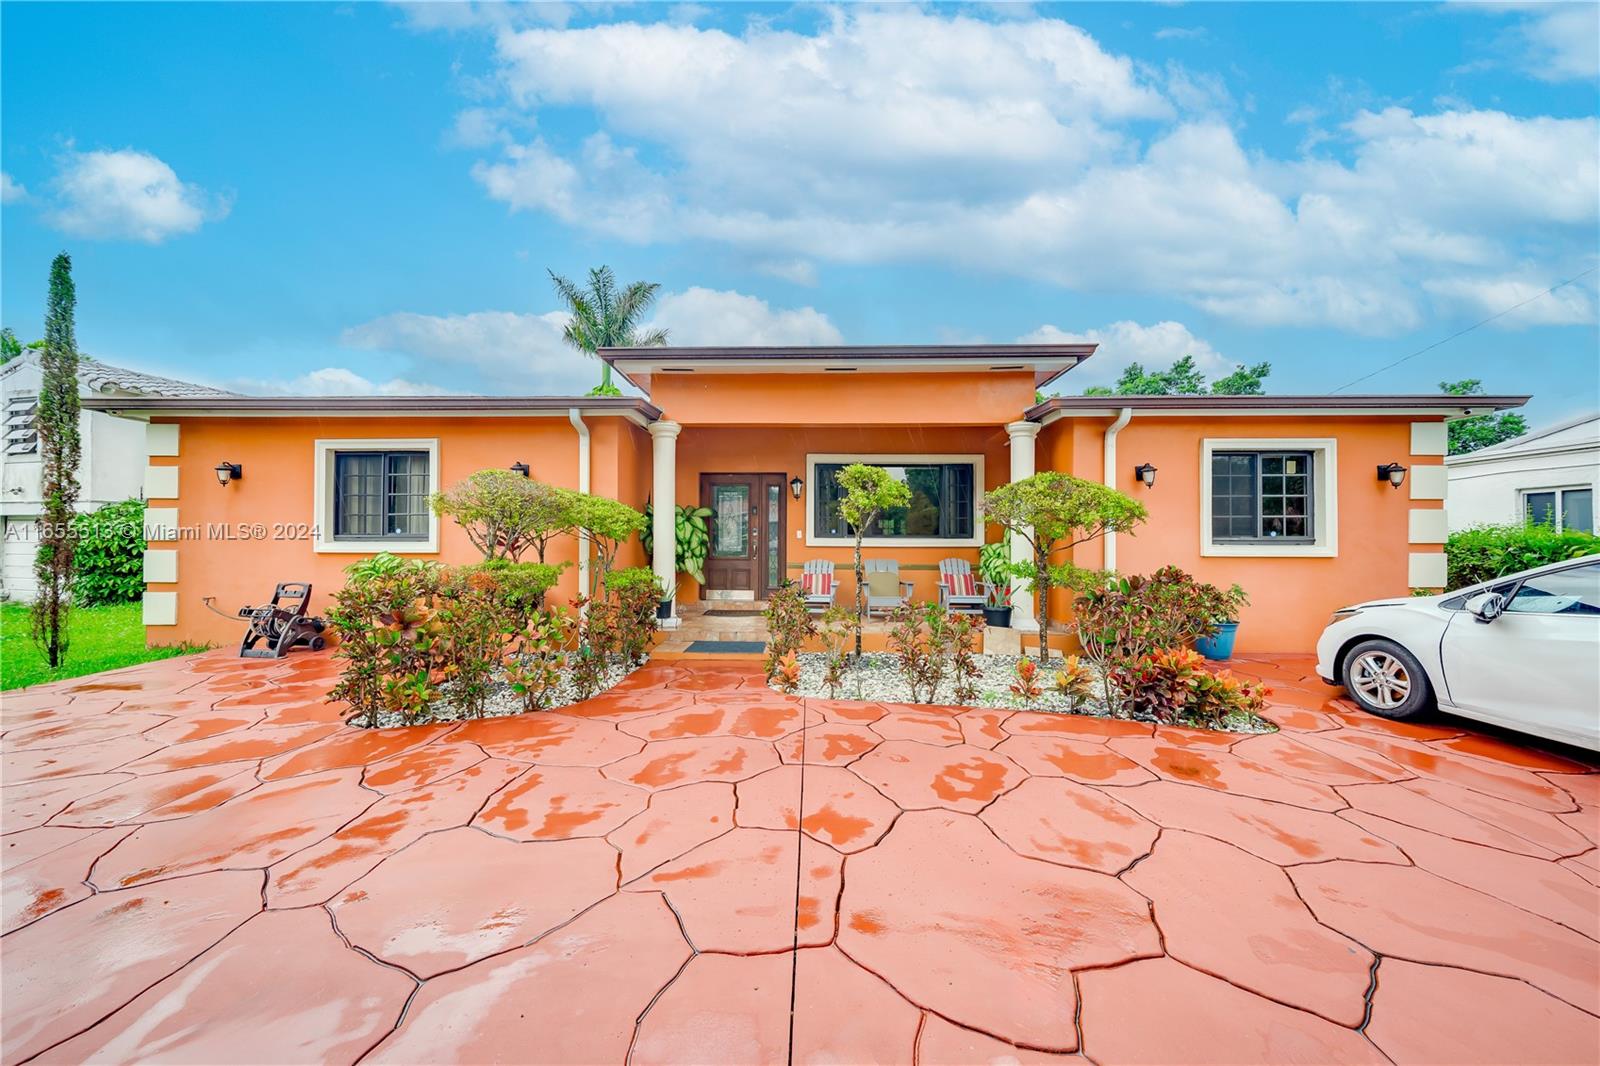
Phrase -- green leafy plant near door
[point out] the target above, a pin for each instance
(693, 536)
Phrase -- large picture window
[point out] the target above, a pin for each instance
(1261, 496)
(943, 501)
(380, 495)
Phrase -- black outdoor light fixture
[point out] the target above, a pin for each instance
(227, 472)
(519, 467)
(1146, 473)
(795, 485)
(1393, 473)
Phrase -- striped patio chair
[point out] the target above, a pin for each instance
(958, 589)
(817, 585)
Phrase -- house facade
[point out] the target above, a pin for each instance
(111, 468)
(1282, 495)
(1547, 476)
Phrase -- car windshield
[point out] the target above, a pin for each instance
(1572, 591)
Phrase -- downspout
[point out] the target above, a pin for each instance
(1123, 417)
(576, 418)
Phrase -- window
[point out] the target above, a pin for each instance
(372, 495)
(381, 495)
(1572, 591)
(1261, 495)
(943, 507)
(1560, 509)
(21, 436)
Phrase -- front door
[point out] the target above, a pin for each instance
(747, 555)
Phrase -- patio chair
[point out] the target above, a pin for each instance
(888, 592)
(818, 586)
(958, 589)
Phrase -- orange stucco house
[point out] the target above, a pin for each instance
(1281, 494)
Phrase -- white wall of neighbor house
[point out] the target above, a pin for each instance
(1489, 487)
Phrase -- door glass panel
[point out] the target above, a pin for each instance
(1577, 510)
(774, 534)
(731, 504)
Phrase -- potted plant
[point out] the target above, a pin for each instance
(996, 569)
(664, 605)
(1223, 609)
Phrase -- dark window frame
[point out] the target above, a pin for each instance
(386, 495)
(1257, 495)
(958, 482)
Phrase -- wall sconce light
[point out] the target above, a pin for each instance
(520, 467)
(1393, 473)
(1146, 473)
(227, 472)
(795, 485)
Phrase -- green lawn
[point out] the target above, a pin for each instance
(100, 638)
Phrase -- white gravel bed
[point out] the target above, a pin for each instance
(876, 678)
(503, 702)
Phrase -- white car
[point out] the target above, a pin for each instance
(1522, 651)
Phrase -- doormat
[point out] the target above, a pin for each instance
(728, 647)
(732, 612)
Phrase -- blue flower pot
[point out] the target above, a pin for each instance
(1220, 647)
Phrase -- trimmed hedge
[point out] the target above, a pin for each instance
(108, 553)
(1484, 553)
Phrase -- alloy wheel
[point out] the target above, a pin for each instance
(1381, 679)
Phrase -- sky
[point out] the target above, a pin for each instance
(366, 198)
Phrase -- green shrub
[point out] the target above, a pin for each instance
(788, 624)
(108, 548)
(1484, 553)
(637, 592)
(522, 586)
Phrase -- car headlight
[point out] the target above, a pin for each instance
(1342, 613)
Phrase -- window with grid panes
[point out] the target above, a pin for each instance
(1260, 495)
(381, 495)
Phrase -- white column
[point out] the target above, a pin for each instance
(664, 494)
(1023, 435)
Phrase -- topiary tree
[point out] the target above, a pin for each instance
(867, 492)
(504, 513)
(59, 450)
(608, 524)
(1054, 512)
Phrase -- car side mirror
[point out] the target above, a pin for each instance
(1486, 606)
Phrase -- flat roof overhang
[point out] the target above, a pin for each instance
(1058, 407)
(640, 412)
(1046, 361)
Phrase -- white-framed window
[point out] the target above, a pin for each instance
(1269, 496)
(945, 492)
(1568, 507)
(372, 495)
(21, 436)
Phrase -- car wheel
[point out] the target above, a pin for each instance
(1385, 679)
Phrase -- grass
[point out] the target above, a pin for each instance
(99, 638)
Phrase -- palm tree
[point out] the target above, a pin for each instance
(602, 317)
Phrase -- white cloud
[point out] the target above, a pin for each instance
(707, 317)
(129, 194)
(1567, 306)
(1024, 148)
(516, 353)
(1553, 41)
(797, 271)
(1182, 33)
(338, 381)
(11, 190)
(1155, 347)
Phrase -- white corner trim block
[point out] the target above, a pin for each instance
(1427, 482)
(161, 438)
(160, 608)
(160, 565)
(1426, 570)
(1428, 525)
(160, 482)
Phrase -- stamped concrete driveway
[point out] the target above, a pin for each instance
(202, 864)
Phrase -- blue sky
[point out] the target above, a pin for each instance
(365, 197)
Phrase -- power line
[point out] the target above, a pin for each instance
(1469, 329)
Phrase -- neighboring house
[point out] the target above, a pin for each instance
(1289, 496)
(112, 468)
(1548, 476)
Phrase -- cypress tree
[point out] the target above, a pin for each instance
(59, 449)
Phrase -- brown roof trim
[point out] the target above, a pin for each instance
(297, 406)
(863, 353)
(1223, 404)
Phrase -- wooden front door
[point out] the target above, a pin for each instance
(748, 555)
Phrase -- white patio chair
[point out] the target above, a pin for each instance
(818, 585)
(958, 589)
(885, 603)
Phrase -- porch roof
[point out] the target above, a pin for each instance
(1046, 361)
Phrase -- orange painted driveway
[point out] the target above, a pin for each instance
(201, 864)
